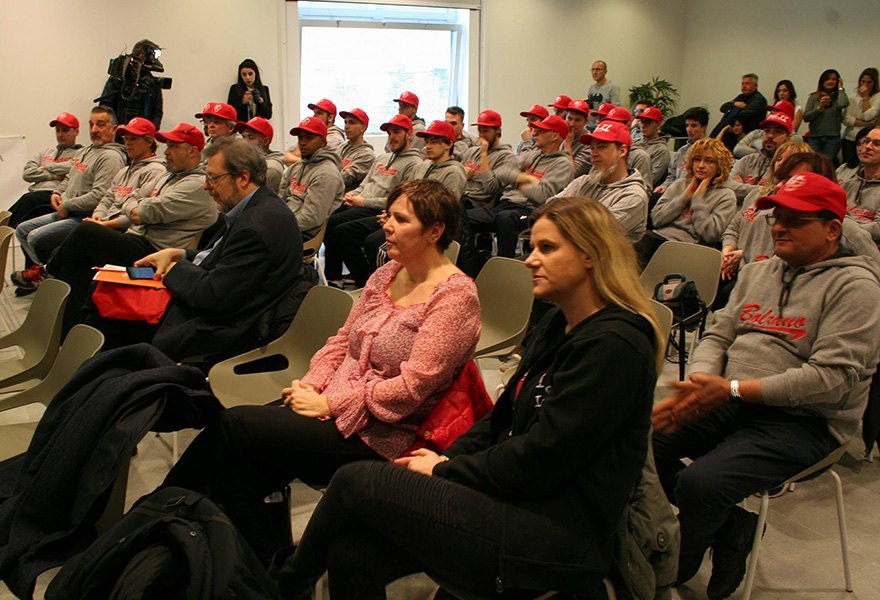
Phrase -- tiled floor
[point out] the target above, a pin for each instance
(800, 555)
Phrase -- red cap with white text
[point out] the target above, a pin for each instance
(808, 192)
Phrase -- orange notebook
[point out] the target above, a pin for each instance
(114, 276)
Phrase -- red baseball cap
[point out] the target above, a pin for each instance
(603, 109)
(439, 128)
(652, 113)
(782, 106)
(138, 126)
(780, 118)
(326, 106)
(536, 111)
(808, 192)
(356, 113)
(619, 114)
(311, 125)
(608, 131)
(66, 119)
(555, 124)
(408, 98)
(580, 106)
(488, 118)
(258, 124)
(399, 120)
(186, 133)
(219, 110)
(562, 101)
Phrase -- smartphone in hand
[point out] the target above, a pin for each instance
(140, 272)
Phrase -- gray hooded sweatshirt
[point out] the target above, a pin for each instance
(137, 178)
(811, 334)
(863, 202)
(389, 170)
(483, 188)
(356, 163)
(174, 211)
(678, 165)
(754, 170)
(40, 171)
(696, 220)
(274, 170)
(658, 151)
(463, 144)
(90, 176)
(335, 138)
(554, 171)
(749, 231)
(313, 189)
(450, 173)
(626, 199)
(581, 158)
(639, 160)
(417, 142)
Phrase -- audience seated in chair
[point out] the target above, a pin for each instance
(219, 121)
(535, 114)
(463, 140)
(754, 170)
(863, 189)
(696, 120)
(656, 144)
(357, 155)
(259, 132)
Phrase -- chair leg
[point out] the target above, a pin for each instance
(756, 544)
(681, 352)
(175, 447)
(841, 522)
(609, 589)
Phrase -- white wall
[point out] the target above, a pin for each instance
(784, 39)
(55, 55)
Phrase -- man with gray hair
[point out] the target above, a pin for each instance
(749, 107)
(219, 120)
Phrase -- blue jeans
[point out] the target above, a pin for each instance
(30, 232)
(829, 145)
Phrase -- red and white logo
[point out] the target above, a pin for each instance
(606, 127)
(766, 320)
(794, 183)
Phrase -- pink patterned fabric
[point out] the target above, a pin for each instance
(385, 369)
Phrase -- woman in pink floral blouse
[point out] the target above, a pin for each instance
(367, 390)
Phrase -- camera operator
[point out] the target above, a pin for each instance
(132, 90)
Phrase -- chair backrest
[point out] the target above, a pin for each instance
(5, 215)
(311, 247)
(452, 252)
(5, 239)
(664, 319)
(505, 289)
(700, 264)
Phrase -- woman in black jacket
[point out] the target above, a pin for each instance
(249, 96)
(529, 498)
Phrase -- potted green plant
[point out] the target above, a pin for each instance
(658, 92)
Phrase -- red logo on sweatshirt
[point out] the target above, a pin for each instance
(768, 321)
(686, 214)
(752, 180)
(750, 214)
(538, 174)
(345, 162)
(297, 188)
(386, 171)
(862, 215)
(48, 158)
(80, 165)
(123, 190)
(469, 164)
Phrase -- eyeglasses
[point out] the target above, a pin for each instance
(213, 179)
(790, 221)
(865, 141)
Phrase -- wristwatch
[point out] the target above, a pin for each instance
(734, 389)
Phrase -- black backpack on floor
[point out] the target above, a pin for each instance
(176, 544)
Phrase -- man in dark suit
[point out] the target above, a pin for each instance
(221, 292)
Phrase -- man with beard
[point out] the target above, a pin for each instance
(754, 170)
(259, 132)
(620, 189)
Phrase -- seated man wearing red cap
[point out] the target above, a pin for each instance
(863, 188)
(611, 182)
(313, 187)
(535, 114)
(259, 132)
(560, 105)
(755, 169)
(637, 158)
(357, 155)
(529, 182)
(656, 144)
(325, 111)
(778, 382)
(463, 139)
(576, 116)
(219, 120)
(363, 205)
(152, 208)
(408, 106)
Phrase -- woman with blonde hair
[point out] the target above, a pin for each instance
(698, 207)
(530, 497)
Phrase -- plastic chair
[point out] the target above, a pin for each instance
(311, 249)
(813, 472)
(5, 215)
(452, 252)
(700, 264)
(664, 317)
(82, 343)
(323, 311)
(505, 289)
(39, 336)
(6, 238)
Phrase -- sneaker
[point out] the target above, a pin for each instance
(733, 543)
(29, 279)
(22, 292)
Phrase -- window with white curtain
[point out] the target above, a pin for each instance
(364, 55)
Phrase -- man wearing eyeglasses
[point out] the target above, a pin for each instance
(755, 169)
(777, 383)
(863, 189)
(219, 120)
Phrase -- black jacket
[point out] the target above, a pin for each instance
(51, 498)
(566, 452)
(753, 113)
(236, 99)
(216, 303)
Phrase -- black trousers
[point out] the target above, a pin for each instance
(357, 242)
(505, 219)
(91, 245)
(738, 450)
(378, 522)
(333, 240)
(28, 206)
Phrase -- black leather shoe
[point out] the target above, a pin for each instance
(688, 566)
(730, 552)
